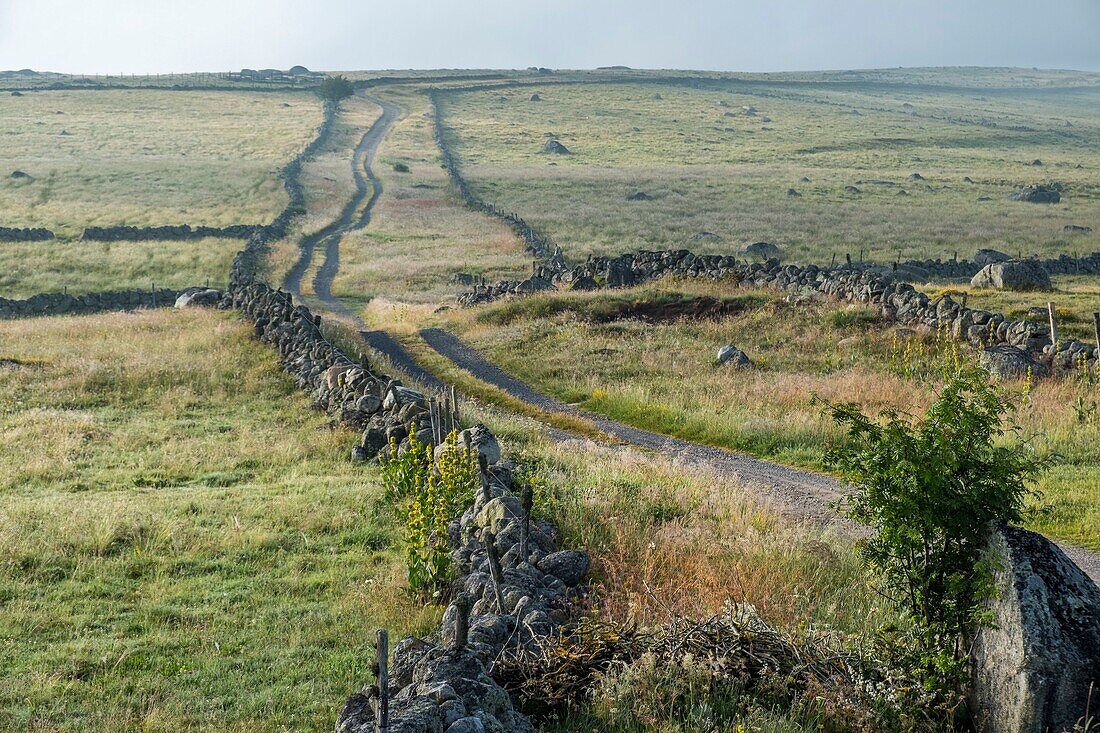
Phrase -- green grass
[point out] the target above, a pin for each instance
(661, 375)
(145, 158)
(183, 544)
(27, 268)
(710, 167)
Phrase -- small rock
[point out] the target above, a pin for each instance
(639, 196)
(733, 356)
(556, 148)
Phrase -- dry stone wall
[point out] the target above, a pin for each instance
(183, 231)
(14, 234)
(899, 302)
(56, 304)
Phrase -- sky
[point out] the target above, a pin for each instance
(165, 36)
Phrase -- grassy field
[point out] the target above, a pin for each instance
(27, 268)
(616, 354)
(183, 544)
(419, 237)
(104, 158)
(711, 166)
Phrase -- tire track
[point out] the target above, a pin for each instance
(366, 182)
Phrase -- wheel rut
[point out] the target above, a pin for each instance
(368, 188)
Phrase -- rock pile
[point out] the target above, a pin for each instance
(1037, 194)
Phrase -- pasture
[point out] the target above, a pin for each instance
(772, 159)
(148, 158)
(183, 543)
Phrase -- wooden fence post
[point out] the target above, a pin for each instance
(382, 653)
(1053, 325)
(494, 568)
(1096, 328)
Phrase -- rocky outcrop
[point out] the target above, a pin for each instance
(1038, 194)
(12, 234)
(1033, 672)
(1025, 275)
(199, 298)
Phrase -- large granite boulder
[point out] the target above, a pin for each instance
(762, 250)
(1009, 362)
(989, 256)
(1013, 275)
(1032, 672)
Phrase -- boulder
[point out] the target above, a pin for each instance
(535, 97)
(1043, 194)
(555, 148)
(568, 566)
(733, 356)
(398, 397)
(762, 250)
(1013, 275)
(479, 438)
(1007, 362)
(1033, 671)
(989, 256)
(199, 297)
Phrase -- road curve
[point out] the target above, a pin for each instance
(797, 492)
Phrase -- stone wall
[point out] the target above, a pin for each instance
(899, 302)
(534, 243)
(55, 304)
(15, 234)
(183, 231)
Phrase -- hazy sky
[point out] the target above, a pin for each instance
(147, 36)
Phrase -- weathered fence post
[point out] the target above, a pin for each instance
(494, 568)
(1096, 328)
(1053, 325)
(527, 500)
(483, 466)
(382, 653)
(462, 621)
(154, 292)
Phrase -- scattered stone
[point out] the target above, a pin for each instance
(1033, 670)
(535, 97)
(733, 356)
(20, 175)
(916, 177)
(1076, 229)
(1036, 162)
(1013, 275)
(763, 250)
(639, 196)
(556, 148)
(852, 189)
(902, 192)
(17, 94)
(793, 192)
(704, 235)
(748, 110)
(967, 179)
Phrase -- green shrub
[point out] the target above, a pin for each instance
(931, 490)
(335, 88)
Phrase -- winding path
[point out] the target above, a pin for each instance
(368, 188)
(795, 492)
